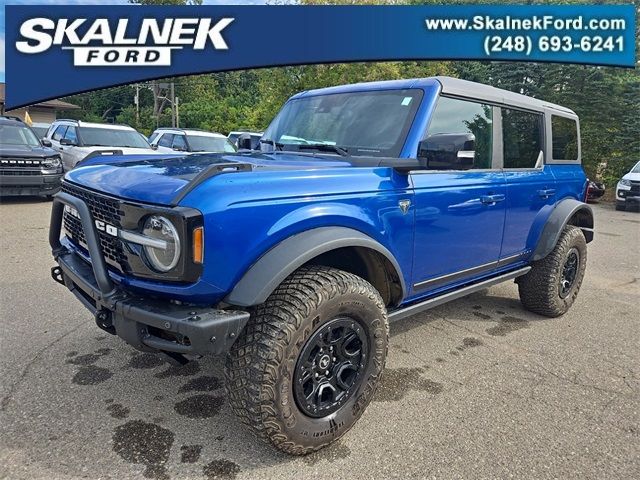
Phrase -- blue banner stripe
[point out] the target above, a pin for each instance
(100, 50)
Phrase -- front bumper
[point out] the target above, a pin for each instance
(45, 184)
(628, 195)
(147, 324)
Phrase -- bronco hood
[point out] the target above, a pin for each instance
(159, 179)
(26, 151)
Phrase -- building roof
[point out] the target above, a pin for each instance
(56, 104)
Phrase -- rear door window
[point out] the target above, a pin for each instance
(179, 143)
(564, 135)
(521, 139)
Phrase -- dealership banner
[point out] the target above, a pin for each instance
(54, 51)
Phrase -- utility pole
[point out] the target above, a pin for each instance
(177, 112)
(136, 101)
(173, 105)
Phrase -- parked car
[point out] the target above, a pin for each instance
(74, 140)
(595, 191)
(253, 136)
(40, 128)
(27, 166)
(628, 189)
(170, 140)
(368, 203)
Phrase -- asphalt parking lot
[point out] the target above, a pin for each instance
(478, 388)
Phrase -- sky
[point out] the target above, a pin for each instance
(87, 2)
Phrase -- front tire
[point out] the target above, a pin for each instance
(621, 206)
(553, 283)
(309, 360)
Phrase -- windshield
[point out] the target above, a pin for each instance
(105, 137)
(18, 135)
(200, 143)
(373, 123)
(636, 169)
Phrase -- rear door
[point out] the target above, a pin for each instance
(531, 186)
(460, 199)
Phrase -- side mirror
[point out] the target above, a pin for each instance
(154, 146)
(45, 142)
(448, 151)
(244, 142)
(66, 141)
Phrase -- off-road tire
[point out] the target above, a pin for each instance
(540, 288)
(621, 206)
(260, 366)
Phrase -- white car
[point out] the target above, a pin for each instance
(171, 140)
(628, 189)
(75, 140)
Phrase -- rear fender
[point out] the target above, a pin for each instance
(567, 212)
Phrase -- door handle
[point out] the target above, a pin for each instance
(491, 199)
(546, 193)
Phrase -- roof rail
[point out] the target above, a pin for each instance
(181, 129)
(67, 120)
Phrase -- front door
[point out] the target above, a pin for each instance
(459, 200)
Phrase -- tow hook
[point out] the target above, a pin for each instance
(57, 275)
(103, 320)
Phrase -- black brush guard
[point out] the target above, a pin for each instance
(147, 324)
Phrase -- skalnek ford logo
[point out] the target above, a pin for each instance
(101, 43)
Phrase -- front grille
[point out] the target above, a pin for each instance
(20, 172)
(20, 162)
(102, 208)
(635, 187)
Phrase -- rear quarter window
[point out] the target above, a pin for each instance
(564, 137)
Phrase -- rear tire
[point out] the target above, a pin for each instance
(273, 378)
(553, 283)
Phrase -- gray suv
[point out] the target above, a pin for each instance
(27, 165)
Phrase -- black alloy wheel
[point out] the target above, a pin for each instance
(569, 272)
(329, 368)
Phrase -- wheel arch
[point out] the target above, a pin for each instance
(567, 212)
(339, 247)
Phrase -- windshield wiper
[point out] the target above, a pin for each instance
(326, 147)
(275, 145)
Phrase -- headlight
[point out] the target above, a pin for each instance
(51, 162)
(624, 182)
(160, 228)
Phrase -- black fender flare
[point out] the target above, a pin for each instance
(264, 276)
(564, 211)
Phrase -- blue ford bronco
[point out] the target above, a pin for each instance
(365, 204)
